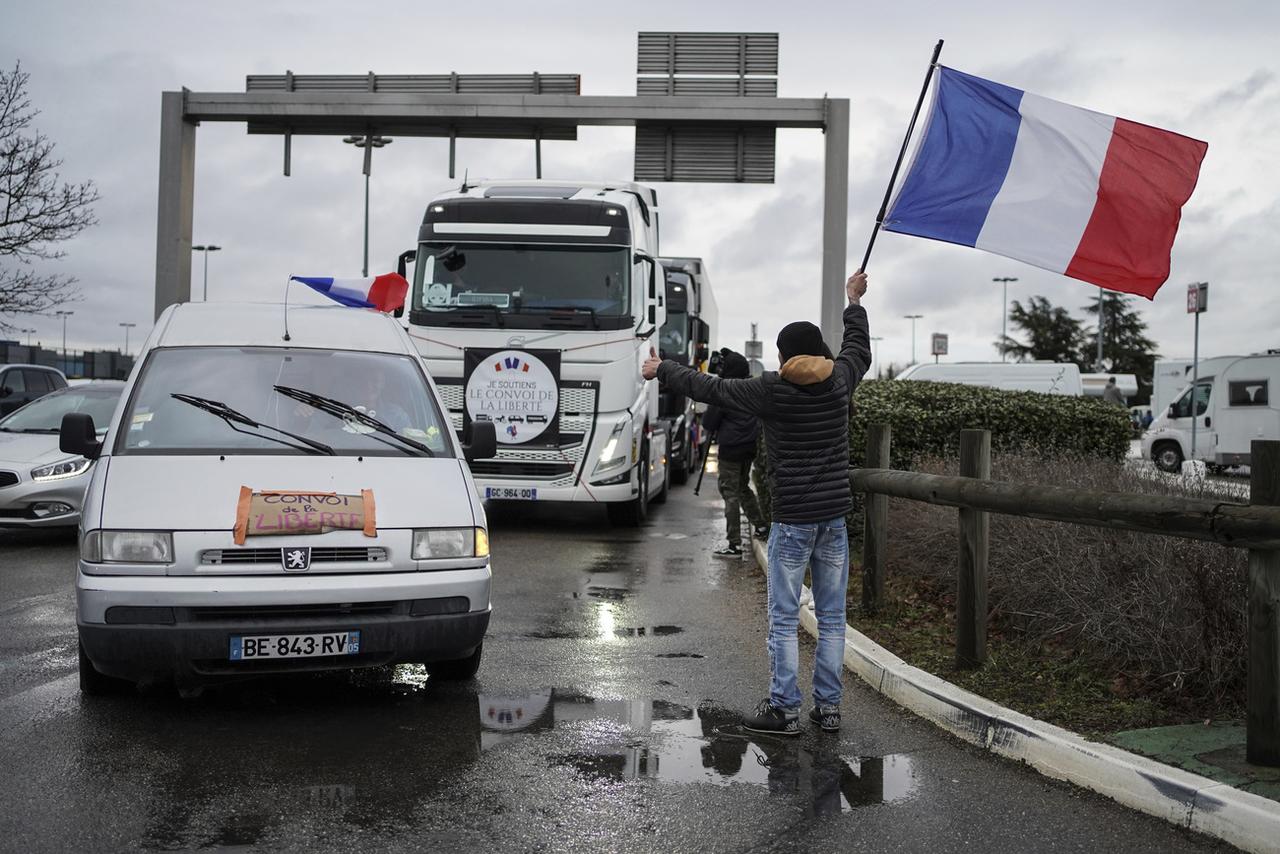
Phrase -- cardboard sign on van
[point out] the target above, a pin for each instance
(273, 513)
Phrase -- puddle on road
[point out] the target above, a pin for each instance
(647, 631)
(679, 655)
(658, 740)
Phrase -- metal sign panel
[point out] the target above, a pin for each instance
(705, 153)
(1197, 298)
(436, 84)
(939, 347)
(707, 53)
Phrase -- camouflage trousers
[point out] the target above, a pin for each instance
(735, 489)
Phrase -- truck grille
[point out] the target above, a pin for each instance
(328, 554)
(8, 478)
(503, 468)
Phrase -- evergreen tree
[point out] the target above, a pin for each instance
(1050, 332)
(1126, 349)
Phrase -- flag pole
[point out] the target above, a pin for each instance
(884, 205)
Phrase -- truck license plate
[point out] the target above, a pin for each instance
(252, 647)
(517, 493)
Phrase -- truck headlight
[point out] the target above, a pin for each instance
(64, 468)
(612, 456)
(436, 543)
(127, 547)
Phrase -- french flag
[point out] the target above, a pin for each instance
(1080, 193)
(384, 293)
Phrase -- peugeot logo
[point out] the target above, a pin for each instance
(296, 559)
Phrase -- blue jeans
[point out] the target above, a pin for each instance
(824, 548)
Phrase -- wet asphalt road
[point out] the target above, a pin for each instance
(602, 719)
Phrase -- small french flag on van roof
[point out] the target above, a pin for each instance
(383, 293)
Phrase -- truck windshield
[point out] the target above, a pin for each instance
(242, 381)
(517, 284)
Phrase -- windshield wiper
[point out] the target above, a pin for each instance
(343, 411)
(234, 417)
(573, 309)
(482, 306)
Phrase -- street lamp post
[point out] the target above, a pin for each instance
(875, 352)
(127, 327)
(913, 318)
(206, 250)
(368, 143)
(1004, 319)
(64, 315)
(28, 333)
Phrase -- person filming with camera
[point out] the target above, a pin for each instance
(805, 411)
(736, 434)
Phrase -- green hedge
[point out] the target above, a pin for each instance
(926, 419)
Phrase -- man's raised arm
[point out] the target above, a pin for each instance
(855, 348)
(743, 395)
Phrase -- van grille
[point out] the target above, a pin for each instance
(327, 554)
(286, 613)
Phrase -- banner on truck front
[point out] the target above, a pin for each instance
(517, 390)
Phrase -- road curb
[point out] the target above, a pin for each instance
(1245, 820)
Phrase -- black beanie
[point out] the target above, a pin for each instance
(736, 366)
(801, 338)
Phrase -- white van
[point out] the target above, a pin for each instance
(271, 501)
(1234, 405)
(1046, 377)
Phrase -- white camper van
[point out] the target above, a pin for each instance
(1235, 403)
(1172, 376)
(1046, 377)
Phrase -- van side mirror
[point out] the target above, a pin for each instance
(5, 391)
(78, 436)
(480, 441)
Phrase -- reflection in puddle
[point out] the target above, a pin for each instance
(643, 631)
(666, 741)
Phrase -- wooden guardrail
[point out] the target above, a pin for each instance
(1255, 526)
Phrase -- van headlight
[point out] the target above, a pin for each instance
(127, 547)
(612, 455)
(436, 543)
(65, 468)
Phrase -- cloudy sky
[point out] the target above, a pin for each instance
(1208, 70)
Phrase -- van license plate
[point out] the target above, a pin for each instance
(517, 493)
(252, 647)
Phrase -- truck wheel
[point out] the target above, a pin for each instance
(680, 472)
(631, 514)
(1167, 457)
(458, 670)
(96, 684)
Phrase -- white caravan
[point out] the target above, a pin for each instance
(535, 303)
(1234, 404)
(1172, 376)
(1046, 377)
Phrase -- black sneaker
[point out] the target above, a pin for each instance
(772, 721)
(827, 717)
(728, 551)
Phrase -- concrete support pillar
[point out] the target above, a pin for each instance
(835, 220)
(176, 204)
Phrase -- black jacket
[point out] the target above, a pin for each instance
(805, 409)
(736, 432)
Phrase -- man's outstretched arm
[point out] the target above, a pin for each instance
(855, 348)
(746, 395)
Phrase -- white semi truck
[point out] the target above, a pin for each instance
(688, 337)
(535, 303)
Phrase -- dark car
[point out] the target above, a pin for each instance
(21, 384)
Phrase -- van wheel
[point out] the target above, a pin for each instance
(459, 669)
(632, 514)
(96, 684)
(1167, 457)
(680, 473)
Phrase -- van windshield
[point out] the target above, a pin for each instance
(389, 389)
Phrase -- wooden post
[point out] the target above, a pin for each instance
(875, 521)
(1262, 735)
(971, 584)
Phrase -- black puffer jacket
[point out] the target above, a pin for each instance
(805, 409)
(736, 432)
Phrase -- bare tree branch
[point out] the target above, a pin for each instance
(38, 210)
